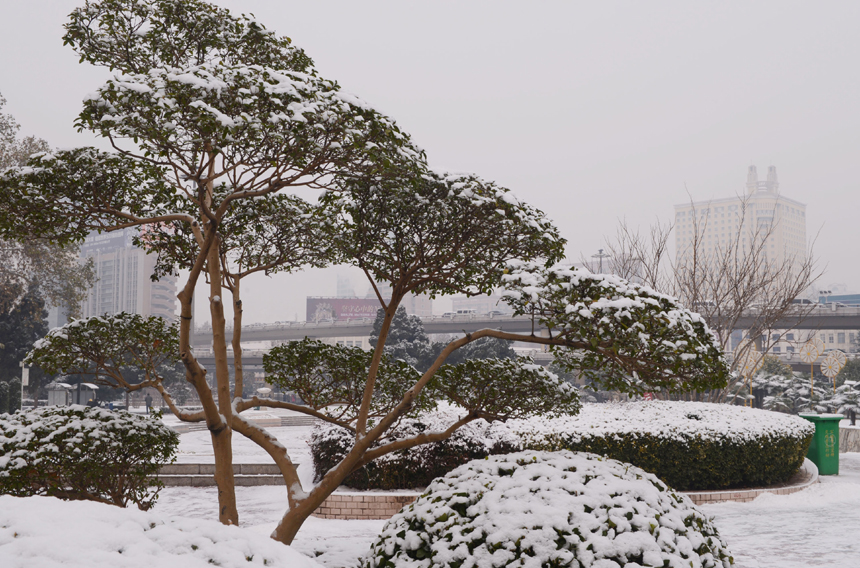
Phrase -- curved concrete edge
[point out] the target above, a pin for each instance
(745, 495)
(353, 506)
(357, 505)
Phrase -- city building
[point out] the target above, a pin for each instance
(760, 213)
(123, 282)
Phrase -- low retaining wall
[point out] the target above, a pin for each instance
(849, 439)
(363, 506)
(202, 474)
(806, 476)
(383, 505)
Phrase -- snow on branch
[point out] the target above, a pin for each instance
(636, 339)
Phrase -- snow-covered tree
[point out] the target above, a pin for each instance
(214, 120)
(211, 116)
(112, 348)
(61, 279)
(406, 340)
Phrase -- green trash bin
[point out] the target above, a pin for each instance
(824, 449)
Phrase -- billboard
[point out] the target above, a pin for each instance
(341, 309)
(95, 242)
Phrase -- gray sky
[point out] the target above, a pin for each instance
(591, 111)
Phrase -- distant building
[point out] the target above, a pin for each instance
(416, 305)
(123, 278)
(761, 210)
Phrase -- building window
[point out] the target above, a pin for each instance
(830, 338)
(789, 337)
(840, 337)
(777, 349)
(789, 349)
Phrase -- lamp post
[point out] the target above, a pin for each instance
(600, 255)
(25, 381)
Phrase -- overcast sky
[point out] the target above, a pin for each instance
(591, 111)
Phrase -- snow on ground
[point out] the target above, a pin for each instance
(819, 526)
(196, 446)
(815, 527)
(44, 532)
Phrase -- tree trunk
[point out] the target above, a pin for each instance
(239, 377)
(222, 438)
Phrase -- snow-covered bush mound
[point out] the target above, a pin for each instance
(549, 509)
(48, 533)
(689, 445)
(78, 452)
(418, 466)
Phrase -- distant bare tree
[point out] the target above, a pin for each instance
(725, 283)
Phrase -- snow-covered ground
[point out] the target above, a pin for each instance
(815, 527)
(819, 526)
(44, 532)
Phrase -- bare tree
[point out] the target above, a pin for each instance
(735, 284)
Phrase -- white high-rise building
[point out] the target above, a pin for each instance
(123, 278)
(760, 213)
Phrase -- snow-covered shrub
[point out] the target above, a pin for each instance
(78, 452)
(418, 466)
(689, 445)
(549, 509)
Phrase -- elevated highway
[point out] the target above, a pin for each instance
(819, 318)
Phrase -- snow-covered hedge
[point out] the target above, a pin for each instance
(78, 452)
(418, 466)
(689, 445)
(49, 533)
(549, 509)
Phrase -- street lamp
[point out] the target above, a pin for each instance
(600, 255)
(25, 381)
(825, 293)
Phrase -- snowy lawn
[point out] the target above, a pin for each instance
(44, 532)
(815, 527)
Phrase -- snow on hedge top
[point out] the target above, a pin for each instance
(665, 419)
(679, 421)
(478, 435)
(549, 509)
(47, 532)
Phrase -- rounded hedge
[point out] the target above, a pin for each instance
(83, 453)
(689, 445)
(554, 509)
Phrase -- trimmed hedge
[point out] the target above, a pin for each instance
(82, 453)
(558, 509)
(689, 445)
(416, 467)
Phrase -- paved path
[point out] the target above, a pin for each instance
(819, 526)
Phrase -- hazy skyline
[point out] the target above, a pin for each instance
(592, 112)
